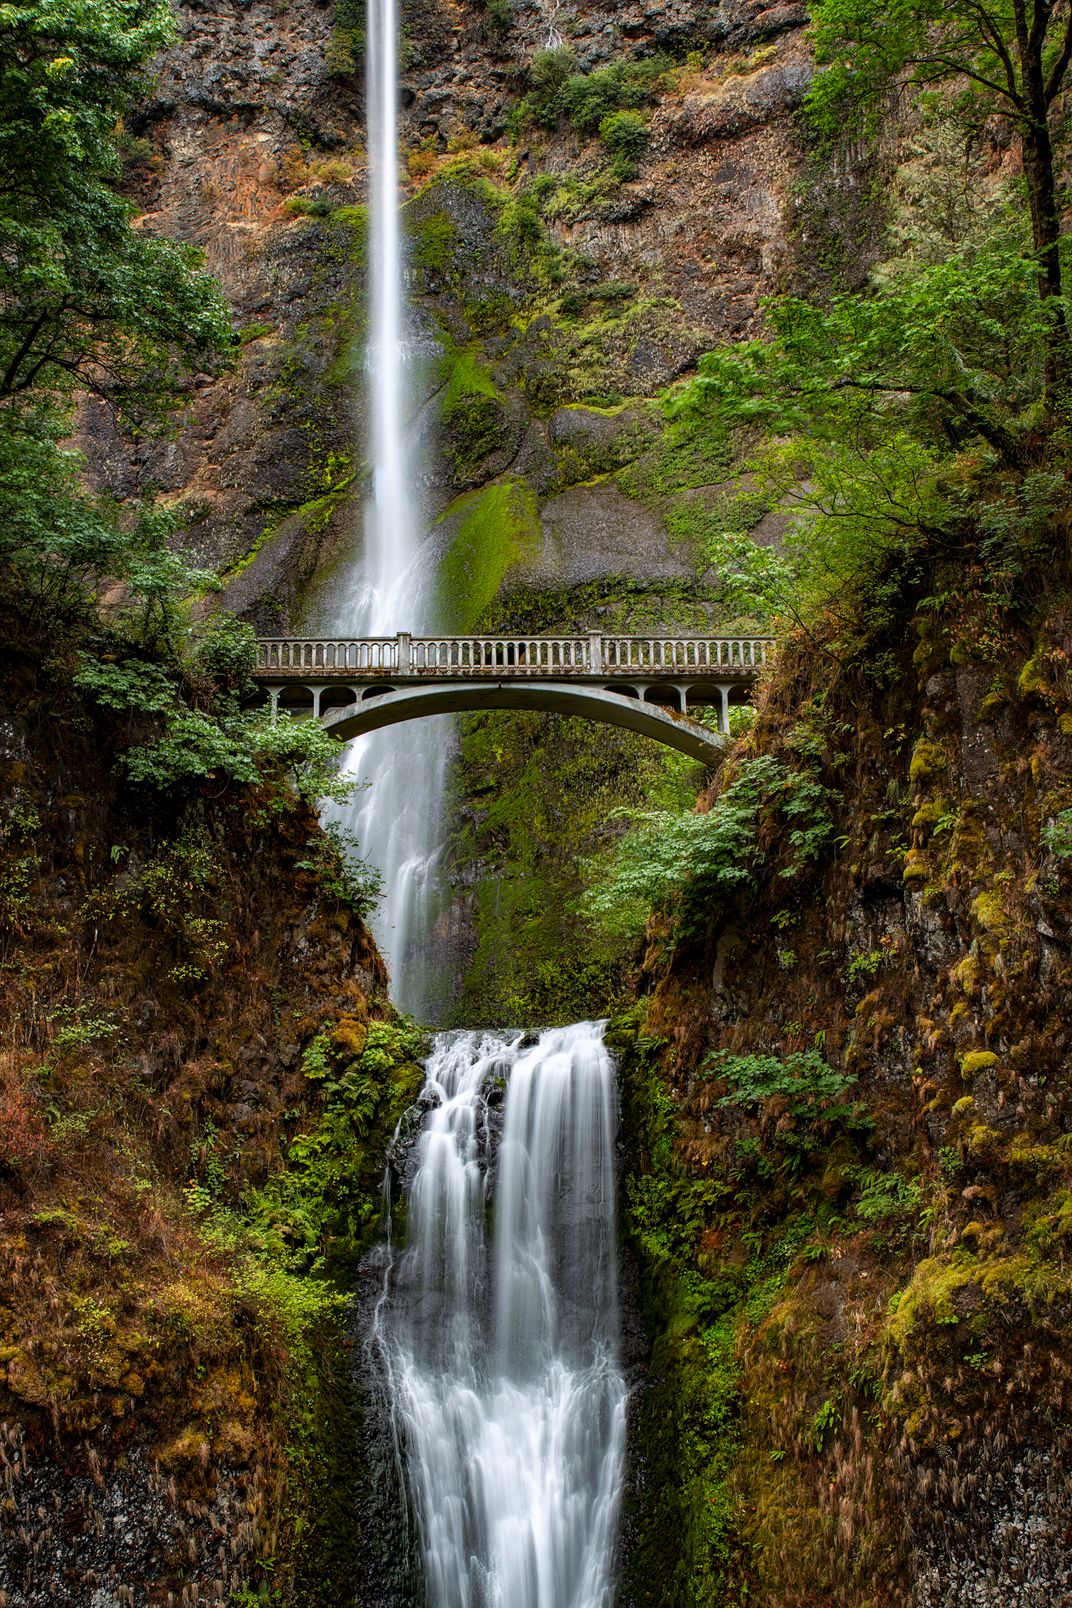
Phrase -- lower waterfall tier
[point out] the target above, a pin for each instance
(500, 1344)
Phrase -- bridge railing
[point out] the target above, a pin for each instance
(592, 654)
(684, 653)
(545, 655)
(335, 656)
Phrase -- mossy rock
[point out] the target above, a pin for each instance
(928, 760)
(475, 429)
(495, 531)
(348, 1037)
(995, 701)
(916, 866)
(1031, 680)
(990, 912)
(976, 1061)
(930, 813)
(477, 419)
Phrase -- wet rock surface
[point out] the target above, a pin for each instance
(96, 1529)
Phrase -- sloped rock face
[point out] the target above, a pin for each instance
(216, 153)
(159, 1415)
(890, 1390)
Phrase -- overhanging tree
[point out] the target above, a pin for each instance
(88, 301)
(1006, 56)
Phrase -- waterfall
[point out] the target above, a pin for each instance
(389, 587)
(500, 1350)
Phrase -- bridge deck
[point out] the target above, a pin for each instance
(594, 656)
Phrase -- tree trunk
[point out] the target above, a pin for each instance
(1037, 147)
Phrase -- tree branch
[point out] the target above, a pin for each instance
(7, 384)
(992, 32)
(1041, 12)
(996, 435)
(1060, 66)
(951, 65)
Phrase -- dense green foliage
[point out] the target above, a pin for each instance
(625, 134)
(1003, 57)
(344, 875)
(888, 422)
(317, 1213)
(91, 303)
(86, 300)
(557, 91)
(683, 862)
(196, 695)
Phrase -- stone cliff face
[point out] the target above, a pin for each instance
(252, 148)
(861, 1317)
(172, 1372)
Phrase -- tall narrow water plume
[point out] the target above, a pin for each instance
(388, 587)
(501, 1351)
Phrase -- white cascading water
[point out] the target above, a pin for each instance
(501, 1350)
(389, 588)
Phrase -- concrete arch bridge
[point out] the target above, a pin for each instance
(355, 685)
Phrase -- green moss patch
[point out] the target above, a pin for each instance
(498, 528)
(473, 414)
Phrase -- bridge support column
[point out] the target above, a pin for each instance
(724, 718)
(683, 695)
(317, 693)
(273, 694)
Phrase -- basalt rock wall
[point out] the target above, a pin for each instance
(177, 1422)
(252, 147)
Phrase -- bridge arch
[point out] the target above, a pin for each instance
(632, 712)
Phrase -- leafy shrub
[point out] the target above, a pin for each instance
(548, 72)
(20, 866)
(1057, 835)
(625, 134)
(670, 860)
(346, 44)
(290, 756)
(798, 1099)
(586, 99)
(802, 1080)
(867, 403)
(308, 206)
(556, 90)
(865, 964)
(174, 892)
(499, 17)
(127, 685)
(336, 860)
(889, 1200)
(226, 650)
